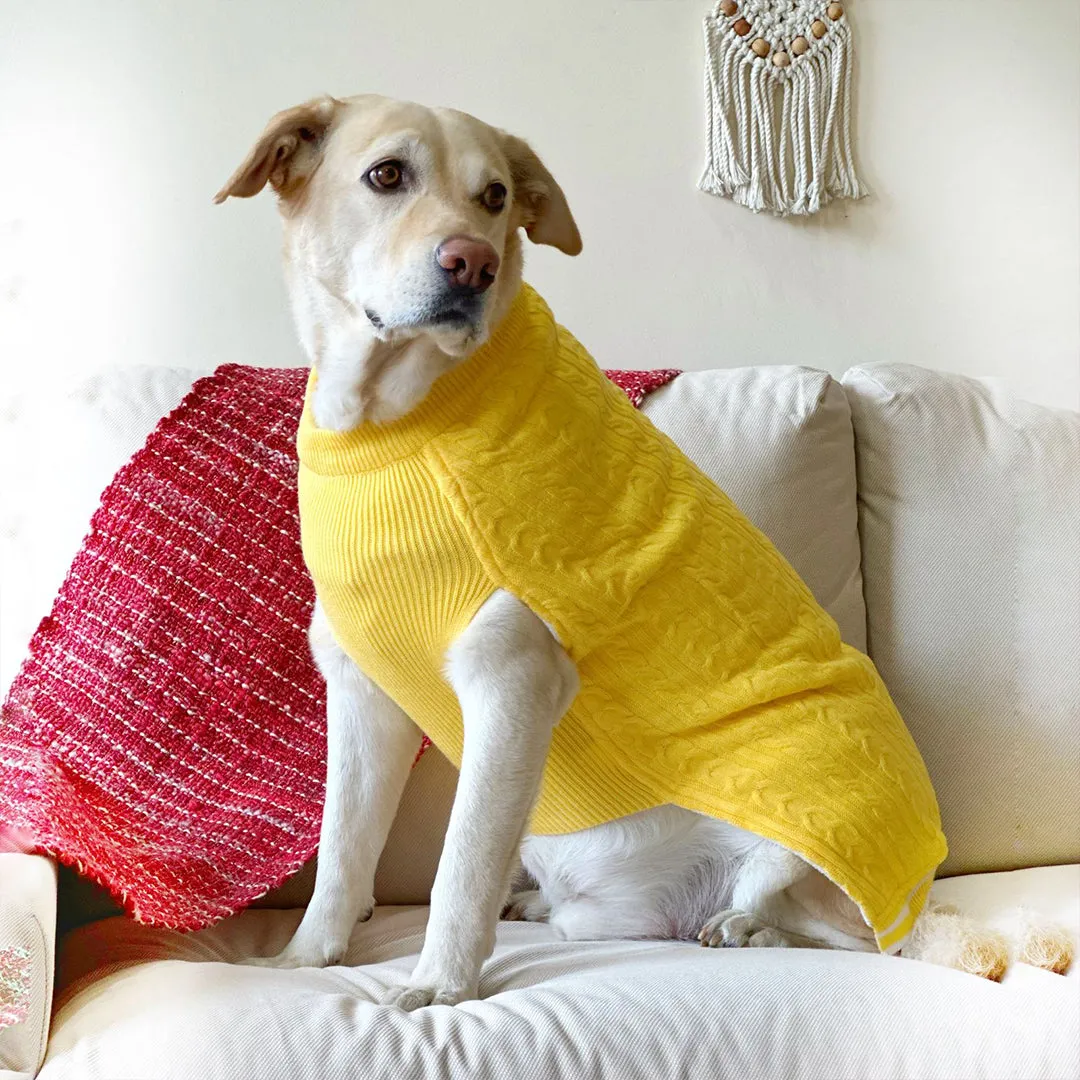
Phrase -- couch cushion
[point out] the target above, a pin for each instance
(779, 440)
(969, 507)
(150, 1003)
(49, 499)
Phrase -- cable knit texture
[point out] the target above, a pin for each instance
(711, 678)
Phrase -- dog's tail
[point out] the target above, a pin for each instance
(944, 935)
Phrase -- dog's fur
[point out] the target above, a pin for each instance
(374, 315)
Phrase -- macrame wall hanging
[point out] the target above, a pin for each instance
(778, 105)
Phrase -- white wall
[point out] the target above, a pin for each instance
(118, 121)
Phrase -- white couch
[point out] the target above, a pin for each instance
(935, 518)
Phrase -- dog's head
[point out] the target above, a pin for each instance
(407, 216)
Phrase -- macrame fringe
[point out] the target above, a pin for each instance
(779, 139)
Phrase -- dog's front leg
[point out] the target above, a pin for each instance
(371, 745)
(514, 682)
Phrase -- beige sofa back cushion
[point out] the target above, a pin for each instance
(778, 439)
(970, 520)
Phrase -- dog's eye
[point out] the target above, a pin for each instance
(494, 197)
(386, 176)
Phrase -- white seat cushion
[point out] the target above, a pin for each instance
(970, 521)
(147, 1003)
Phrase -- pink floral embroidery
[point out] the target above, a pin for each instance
(14, 985)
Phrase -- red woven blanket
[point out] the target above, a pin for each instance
(166, 734)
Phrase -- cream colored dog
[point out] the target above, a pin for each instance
(402, 251)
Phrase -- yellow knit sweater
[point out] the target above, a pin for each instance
(710, 677)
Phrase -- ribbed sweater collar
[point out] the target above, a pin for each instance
(449, 401)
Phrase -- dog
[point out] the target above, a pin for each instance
(403, 256)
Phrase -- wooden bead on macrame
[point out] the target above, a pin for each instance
(834, 11)
(760, 47)
(728, 7)
(799, 46)
(818, 28)
(742, 28)
(781, 59)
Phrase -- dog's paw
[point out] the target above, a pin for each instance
(526, 906)
(321, 940)
(301, 957)
(410, 998)
(733, 929)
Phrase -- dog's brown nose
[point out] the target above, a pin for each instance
(470, 264)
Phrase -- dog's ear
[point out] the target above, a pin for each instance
(545, 211)
(287, 151)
